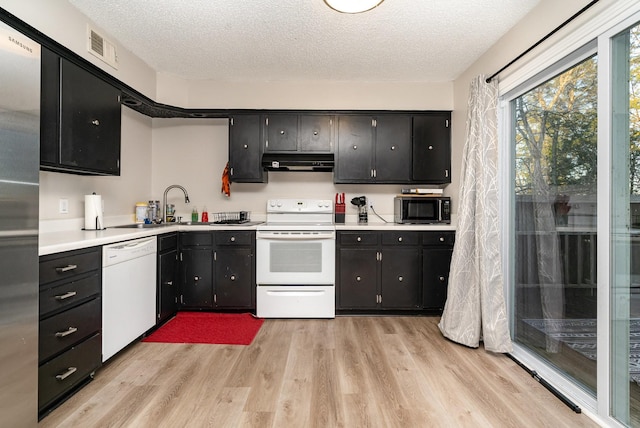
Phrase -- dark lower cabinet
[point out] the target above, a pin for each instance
(167, 292)
(70, 313)
(392, 271)
(358, 273)
(219, 272)
(378, 270)
(197, 278)
(436, 260)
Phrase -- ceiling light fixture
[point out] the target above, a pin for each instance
(352, 6)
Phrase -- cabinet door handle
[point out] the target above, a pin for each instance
(65, 295)
(399, 238)
(95, 122)
(358, 239)
(355, 147)
(358, 278)
(393, 147)
(196, 278)
(441, 278)
(281, 132)
(315, 132)
(69, 372)
(66, 268)
(67, 332)
(168, 283)
(232, 277)
(400, 278)
(246, 146)
(442, 239)
(430, 147)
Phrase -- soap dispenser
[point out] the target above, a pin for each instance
(194, 215)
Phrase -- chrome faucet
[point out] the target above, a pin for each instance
(164, 199)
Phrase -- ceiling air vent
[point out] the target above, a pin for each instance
(101, 47)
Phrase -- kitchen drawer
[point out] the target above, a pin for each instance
(59, 266)
(65, 295)
(438, 238)
(167, 242)
(68, 328)
(68, 370)
(235, 238)
(401, 238)
(358, 238)
(196, 239)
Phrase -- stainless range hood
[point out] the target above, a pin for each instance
(298, 161)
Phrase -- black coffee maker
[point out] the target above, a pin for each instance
(361, 203)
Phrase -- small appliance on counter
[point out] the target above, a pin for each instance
(361, 203)
(339, 209)
(421, 209)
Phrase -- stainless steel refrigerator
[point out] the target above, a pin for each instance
(19, 182)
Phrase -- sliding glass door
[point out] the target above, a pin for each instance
(625, 227)
(554, 141)
(556, 252)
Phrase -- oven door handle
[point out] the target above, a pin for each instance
(296, 237)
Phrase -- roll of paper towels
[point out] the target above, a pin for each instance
(93, 212)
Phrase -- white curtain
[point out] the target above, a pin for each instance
(475, 309)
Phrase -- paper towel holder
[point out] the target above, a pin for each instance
(98, 225)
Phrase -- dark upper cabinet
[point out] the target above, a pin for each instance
(316, 133)
(354, 160)
(392, 149)
(298, 133)
(432, 148)
(373, 149)
(281, 133)
(245, 149)
(80, 120)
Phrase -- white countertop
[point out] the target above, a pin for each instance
(56, 242)
(66, 240)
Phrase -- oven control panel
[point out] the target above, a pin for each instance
(302, 206)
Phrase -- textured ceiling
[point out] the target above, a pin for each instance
(304, 40)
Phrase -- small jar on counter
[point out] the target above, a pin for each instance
(142, 212)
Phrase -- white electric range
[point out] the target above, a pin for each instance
(295, 260)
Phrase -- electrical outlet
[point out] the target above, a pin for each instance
(63, 206)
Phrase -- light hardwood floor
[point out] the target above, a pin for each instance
(347, 372)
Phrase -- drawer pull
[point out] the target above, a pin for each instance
(358, 239)
(65, 295)
(168, 283)
(67, 332)
(69, 372)
(232, 239)
(67, 268)
(400, 239)
(358, 278)
(233, 277)
(442, 239)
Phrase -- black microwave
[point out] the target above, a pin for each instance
(416, 209)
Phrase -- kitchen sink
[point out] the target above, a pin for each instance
(213, 223)
(138, 226)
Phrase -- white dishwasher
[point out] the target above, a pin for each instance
(128, 292)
